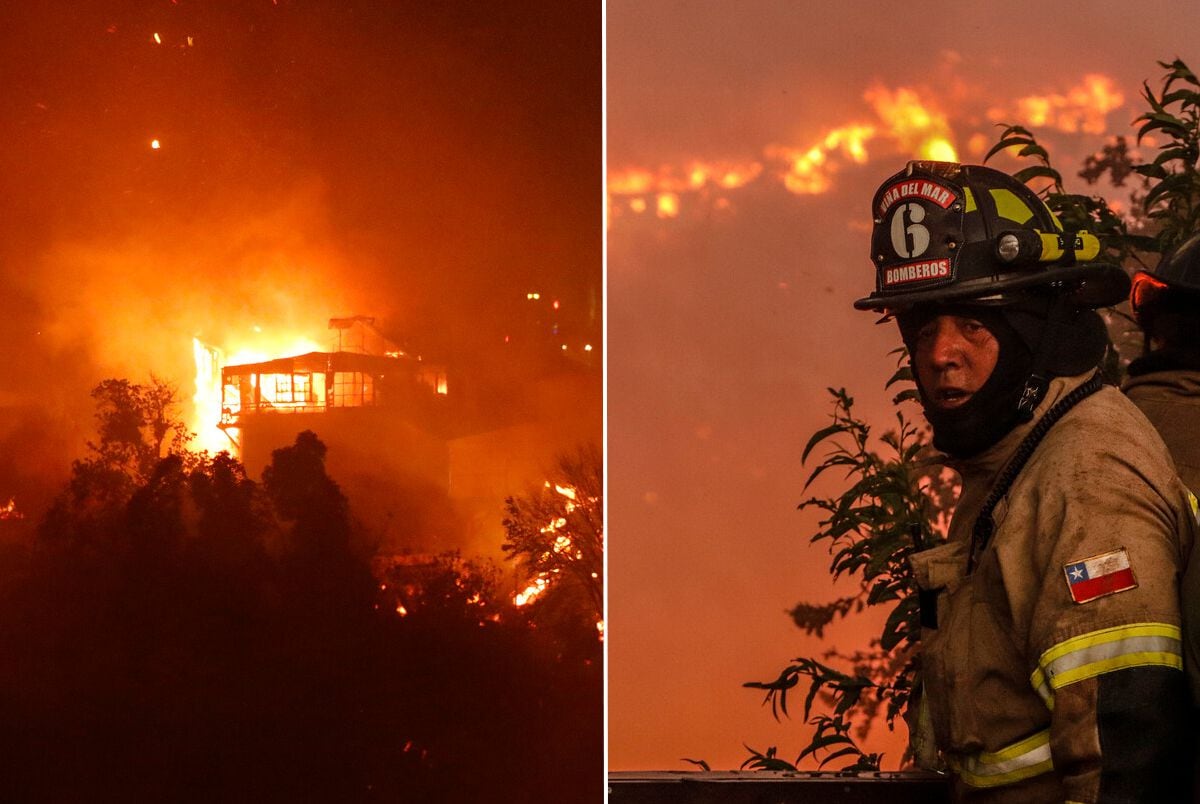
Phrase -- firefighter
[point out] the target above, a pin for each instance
(1165, 381)
(1051, 647)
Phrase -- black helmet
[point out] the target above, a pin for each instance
(946, 232)
(1174, 283)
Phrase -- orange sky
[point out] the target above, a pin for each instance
(183, 168)
(744, 143)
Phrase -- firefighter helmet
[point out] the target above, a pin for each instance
(1174, 283)
(946, 232)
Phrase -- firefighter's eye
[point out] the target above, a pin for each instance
(970, 326)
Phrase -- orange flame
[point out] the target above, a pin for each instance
(1084, 107)
(921, 130)
(207, 399)
(810, 170)
(635, 186)
(668, 205)
(531, 592)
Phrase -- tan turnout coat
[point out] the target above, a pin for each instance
(1010, 674)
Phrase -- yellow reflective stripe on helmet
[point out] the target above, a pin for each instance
(1089, 247)
(1010, 206)
(1098, 652)
(968, 200)
(1195, 506)
(1021, 760)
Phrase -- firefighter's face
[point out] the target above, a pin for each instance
(954, 356)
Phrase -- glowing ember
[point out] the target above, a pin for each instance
(10, 511)
(155, 144)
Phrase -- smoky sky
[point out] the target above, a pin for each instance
(447, 154)
(426, 164)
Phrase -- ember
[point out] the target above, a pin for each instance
(10, 511)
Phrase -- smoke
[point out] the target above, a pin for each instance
(426, 167)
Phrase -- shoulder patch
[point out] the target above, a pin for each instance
(1104, 574)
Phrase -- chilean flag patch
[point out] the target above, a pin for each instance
(1105, 574)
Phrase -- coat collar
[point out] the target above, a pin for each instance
(988, 463)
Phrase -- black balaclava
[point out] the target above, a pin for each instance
(1037, 342)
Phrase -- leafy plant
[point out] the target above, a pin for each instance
(895, 503)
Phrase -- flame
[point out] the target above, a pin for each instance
(668, 205)
(809, 170)
(10, 511)
(531, 592)
(635, 187)
(919, 129)
(155, 144)
(726, 175)
(695, 176)
(631, 182)
(207, 399)
(1084, 107)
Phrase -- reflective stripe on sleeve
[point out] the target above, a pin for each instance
(1098, 652)
(1022, 760)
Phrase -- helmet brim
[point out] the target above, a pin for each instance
(1088, 285)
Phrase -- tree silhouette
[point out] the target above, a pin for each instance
(203, 637)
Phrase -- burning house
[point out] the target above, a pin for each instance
(425, 458)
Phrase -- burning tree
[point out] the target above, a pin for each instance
(556, 535)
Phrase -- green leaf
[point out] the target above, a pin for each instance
(849, 750)
(1033, 149)
(819, 436)
(1161, 121)
(1038, 171)
(902, 374)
